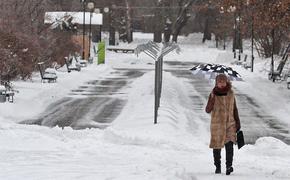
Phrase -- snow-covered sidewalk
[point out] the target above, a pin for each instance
(133, 147)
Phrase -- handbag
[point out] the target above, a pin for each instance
(240, 139)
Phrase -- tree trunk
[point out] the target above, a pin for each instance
(206, 32)
(112, 40)
(181, 19)
(167, 30)
(128, 22)
(265, 40)
(157, 25)
(284, 59)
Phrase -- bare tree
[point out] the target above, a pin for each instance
(128, 22)
(182, 17)
(158, 22)
(25, 39)
(270, 18)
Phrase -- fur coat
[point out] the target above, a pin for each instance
(224, 119)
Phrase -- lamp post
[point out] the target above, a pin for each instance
(105, 10)
(90, 7)
(84, 26)
(239, 36)
(224, 34)
(233, 9)
(250, 7)
(112, 39)
(235, 37)
(98, 11)
(240, 4)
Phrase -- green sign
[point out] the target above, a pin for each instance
(101, 53)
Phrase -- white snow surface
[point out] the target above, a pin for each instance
(132, 147)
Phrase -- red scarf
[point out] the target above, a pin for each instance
(222, 91)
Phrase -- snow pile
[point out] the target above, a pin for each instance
(136, 121)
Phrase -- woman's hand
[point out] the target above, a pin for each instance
(210, 103)
(212, 95)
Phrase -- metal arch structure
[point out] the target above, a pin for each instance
(157, 51)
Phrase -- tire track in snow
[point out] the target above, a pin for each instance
(94, 104)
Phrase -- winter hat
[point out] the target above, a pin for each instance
(221, 77)
(217, 90)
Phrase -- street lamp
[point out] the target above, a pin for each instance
(252, 36)
(90, 7)
(222, 12)
(239, 35)
(106, 10)
(237, 42)
(84, 26)
(240, 4)
(98, 11)
(233, 9)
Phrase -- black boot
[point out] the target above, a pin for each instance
(229, 157)
(217, 160)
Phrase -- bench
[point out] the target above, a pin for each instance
(10, 96)
(48, 75)
(2, 94)
(81, 62)
(72, 66)
(275, 76)
(288, 81)
(246, 64)
(123, 50)
(237, 62)
(6, 92)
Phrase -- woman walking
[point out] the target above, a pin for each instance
(225, 121)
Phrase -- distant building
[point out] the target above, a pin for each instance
(53, 17)
(73, 21)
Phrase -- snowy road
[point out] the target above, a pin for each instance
(256, 122)
(93, 105)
